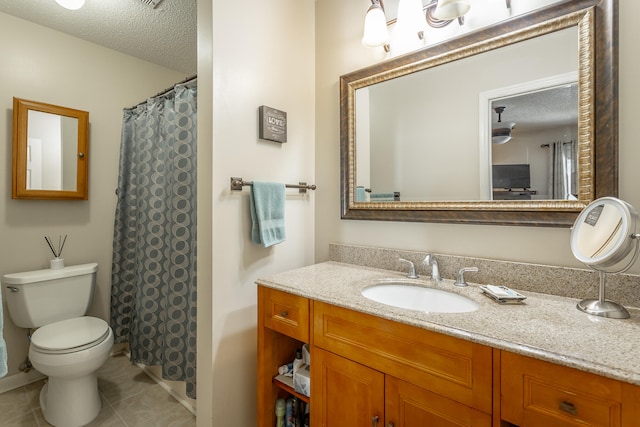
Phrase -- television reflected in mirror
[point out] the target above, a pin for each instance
(508, 177)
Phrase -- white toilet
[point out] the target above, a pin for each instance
(68, 346)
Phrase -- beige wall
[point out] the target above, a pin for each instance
(48, 66)
(262, 55)
(338, 51)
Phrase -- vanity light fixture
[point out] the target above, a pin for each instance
(501, 135)
(375, 31)
(440, 13)
(71, 4)
(410, 17)
(450, 9)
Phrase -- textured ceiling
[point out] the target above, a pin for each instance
(165, 35)
(539, 110)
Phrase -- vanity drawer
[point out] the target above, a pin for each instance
(457, 369)
(536, 393)
(285, 313)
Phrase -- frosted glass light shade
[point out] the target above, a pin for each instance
(71, 4)
(501, 139)
(411, 17)
(375, 27)
(502, 135)
(451, 9)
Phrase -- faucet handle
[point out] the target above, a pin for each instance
(460, 280)
(412, 268)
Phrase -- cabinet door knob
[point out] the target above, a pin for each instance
(283, 313)
(568, 407)
(374, 421)
(390, 425)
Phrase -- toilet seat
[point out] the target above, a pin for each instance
(70, 336)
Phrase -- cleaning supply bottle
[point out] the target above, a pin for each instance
(289, 422)
(280, 409)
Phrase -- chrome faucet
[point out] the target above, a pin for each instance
(412, 268)
(431, 262)
(460, 279)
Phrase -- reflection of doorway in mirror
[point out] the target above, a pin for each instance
(47, 129)
(34, 163)
(545, 112)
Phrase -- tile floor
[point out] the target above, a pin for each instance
(129, 399)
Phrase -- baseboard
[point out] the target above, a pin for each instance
(184, 401)
(121, 348)
(20, 380)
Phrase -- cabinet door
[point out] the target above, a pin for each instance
(345, 393)
(410, 406)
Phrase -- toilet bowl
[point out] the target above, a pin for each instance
(67, 345)
(69, 352)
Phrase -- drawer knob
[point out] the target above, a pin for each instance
(284, 313)
(568, 407)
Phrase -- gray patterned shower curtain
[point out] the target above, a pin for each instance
(153, 273)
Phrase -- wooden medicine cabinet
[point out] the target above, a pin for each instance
(50, 152)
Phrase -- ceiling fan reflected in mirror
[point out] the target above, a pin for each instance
(501, 132)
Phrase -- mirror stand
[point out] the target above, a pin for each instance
(604, 238)
(601, 307)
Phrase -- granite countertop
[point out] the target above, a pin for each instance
(546, 327)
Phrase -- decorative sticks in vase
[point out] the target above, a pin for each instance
(57, 262)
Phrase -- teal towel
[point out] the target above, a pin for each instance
(3, 346)
(382, 197)
(266, 202)
(361, 195)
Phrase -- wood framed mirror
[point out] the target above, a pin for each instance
(50, 152)
(591, 24)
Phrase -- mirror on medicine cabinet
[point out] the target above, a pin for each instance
(50, 152)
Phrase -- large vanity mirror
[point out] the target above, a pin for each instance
(50, 159)
(513, 124)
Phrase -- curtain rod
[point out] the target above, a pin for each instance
(165, 91)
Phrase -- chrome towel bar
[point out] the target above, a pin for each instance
(238, 183)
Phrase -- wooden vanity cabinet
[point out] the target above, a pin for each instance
(538, 393)
(369, 371)
(283, 327)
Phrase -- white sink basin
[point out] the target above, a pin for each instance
(415, 297)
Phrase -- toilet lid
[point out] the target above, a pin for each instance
(70, 334)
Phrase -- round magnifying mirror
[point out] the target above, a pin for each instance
(604, 238)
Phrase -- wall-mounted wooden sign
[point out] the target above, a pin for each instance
(273, 124)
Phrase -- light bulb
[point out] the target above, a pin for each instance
(451, 9)
(375, 27)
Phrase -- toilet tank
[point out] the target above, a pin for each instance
(38, 298)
